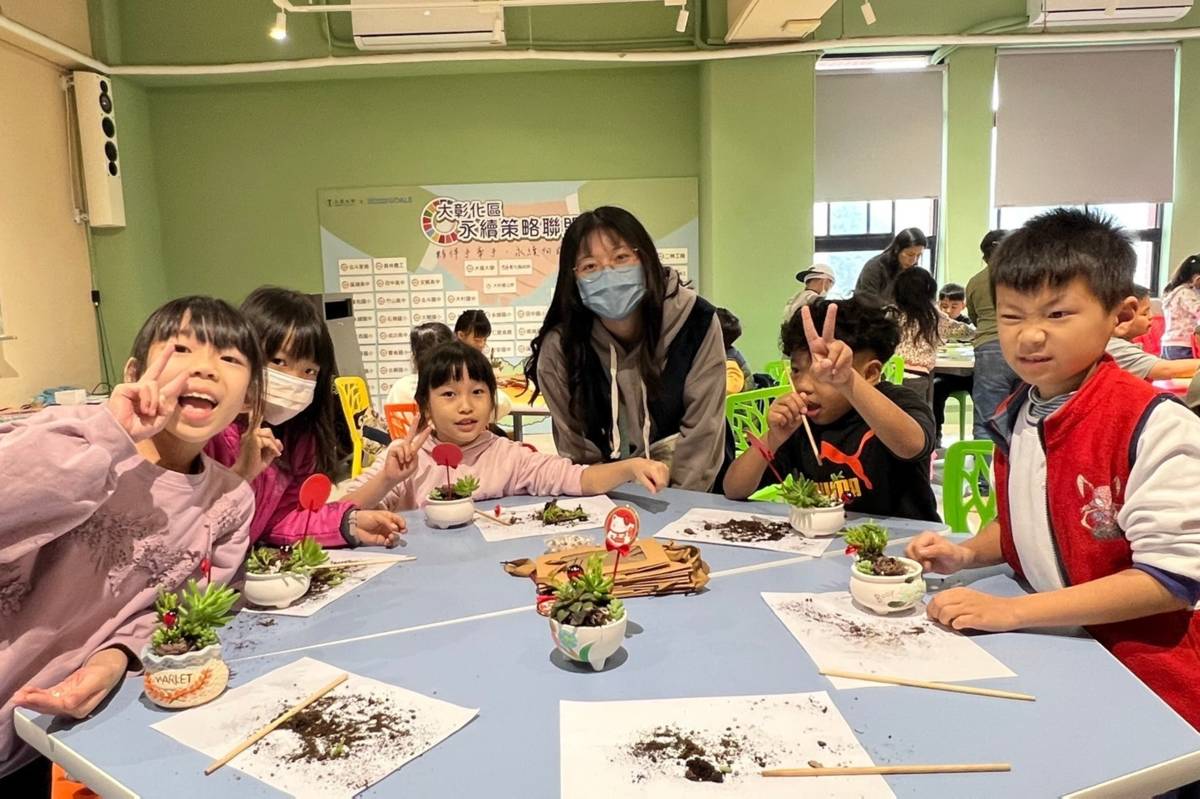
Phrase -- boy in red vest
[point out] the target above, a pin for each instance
(1096, 472)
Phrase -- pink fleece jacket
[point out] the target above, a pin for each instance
(504, 468)
(89, 531)
(278, 518)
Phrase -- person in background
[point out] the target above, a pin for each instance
(737, 371)
(923, 328)
(629, 358)
(302, 414)
(818, 279)
(952, 299)
(1181, 308)
(473, 328)
(878, 277)
(424, 338)
(1133, 358)
(994, 378)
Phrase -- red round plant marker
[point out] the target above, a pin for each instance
(448, 455)
(620, 531)
(314, 492)
(574, 571)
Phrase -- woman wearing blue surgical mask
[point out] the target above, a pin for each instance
(630, 359)
(303, 419)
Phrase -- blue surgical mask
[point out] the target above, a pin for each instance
(613, 293)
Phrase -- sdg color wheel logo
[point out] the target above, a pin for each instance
(437, 222)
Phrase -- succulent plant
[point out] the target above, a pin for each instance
(866, 543)
(587, 600)
(302, 558)
(463, 488)
(187, 621)
(553, 513)
(800, 492)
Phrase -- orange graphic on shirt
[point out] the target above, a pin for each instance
(852, 462)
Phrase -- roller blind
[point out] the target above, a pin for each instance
(878, 135)
(1085, 127)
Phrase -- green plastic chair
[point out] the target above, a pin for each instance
(893, 370)
(962, 398)
(780, 371)
(747, 412)
(959, 478)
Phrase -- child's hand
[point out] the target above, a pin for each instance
(378, 528)
(402, 455)
(832, 360)
(965, 608)
(81, 691)
(652, 474)
(935, 553)
(260, 448)
(143, 408)
(784, 417)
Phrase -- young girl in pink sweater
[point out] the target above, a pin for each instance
(300, 437)
(456, 393)
(103, 506)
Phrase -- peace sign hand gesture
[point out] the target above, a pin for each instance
(402, 455)
(143, 408)
(832, 360)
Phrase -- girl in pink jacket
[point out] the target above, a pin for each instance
(102, 506)
(302, 415)
(456, 392)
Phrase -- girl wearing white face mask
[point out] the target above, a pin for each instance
(302, 416)
(630, 359)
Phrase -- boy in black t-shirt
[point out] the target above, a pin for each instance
(875, 438)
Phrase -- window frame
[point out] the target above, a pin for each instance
(878, 242)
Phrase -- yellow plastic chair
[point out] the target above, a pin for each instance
(747, 413)
(356, 399)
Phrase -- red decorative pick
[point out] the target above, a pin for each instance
(760, 446)
(314, 493)
(620, 531)
(497, 511)
(206, 568)
(169, 619)
(847, 497)
(448, 455)
(851, 550)
(545, 603)
(574, 571)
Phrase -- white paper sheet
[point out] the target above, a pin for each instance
(413, 724)
(313, 601)
(696, 518)
(839, 634)
(524, 526)
(603, 752)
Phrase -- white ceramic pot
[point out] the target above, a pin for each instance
(886, 595)
(444, 514)
(275, 590)
(187, 680)
(816, 522)
(592, 645)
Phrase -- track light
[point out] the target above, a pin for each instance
(279, 29)
(868, 12)
(682, 20)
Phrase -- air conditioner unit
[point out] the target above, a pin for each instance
(764, 20)
(431, 27)
(1056, 13)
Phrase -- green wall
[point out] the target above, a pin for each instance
(239, 167)
(756, 189)
(128, 261)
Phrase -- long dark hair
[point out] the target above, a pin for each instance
(915, 292)
(909, 237)
(211, 321)
(1184, 274)
(287, 321)
(572, 319)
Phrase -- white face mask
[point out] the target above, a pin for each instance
(286, 396)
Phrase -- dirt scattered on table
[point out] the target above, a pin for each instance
(745, 531)
(875, 630)
(341, 727)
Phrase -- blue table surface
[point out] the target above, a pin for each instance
(1092, 720)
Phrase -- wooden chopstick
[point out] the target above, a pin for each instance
(811, 440)
(935, 686)
(492, 518)
(338, 564)
(280, 719)
(855, 771)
